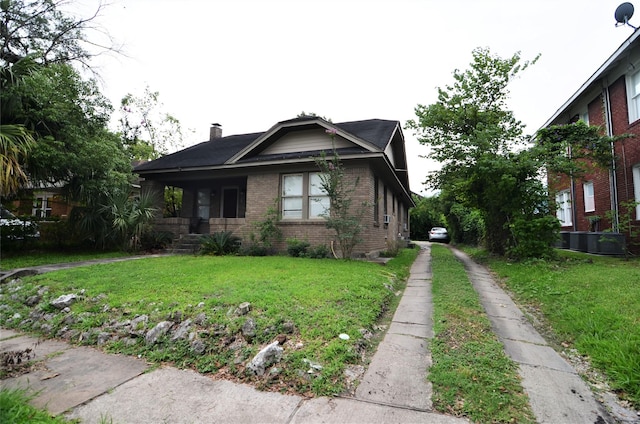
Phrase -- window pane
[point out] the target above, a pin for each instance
(292, 185)
(589, 204)
(315, 184)
(292, 207)
(318, 206)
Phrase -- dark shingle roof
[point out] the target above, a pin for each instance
(212, 153)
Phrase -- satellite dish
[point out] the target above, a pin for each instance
(624, 12)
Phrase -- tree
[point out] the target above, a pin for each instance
(487, 164)
(41, 30)
(67, 117)
(148, 133)
(342, 218)
(470, 131)
(427, 214)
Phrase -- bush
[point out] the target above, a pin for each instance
(320, 251)
(297, 248)
(220, 243)
(156, 240)
(255, 249)
(534, 238)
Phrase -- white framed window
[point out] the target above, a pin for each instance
(589, 200)
(318, 200)
(303, 196)
(42, 205)
(563, 207)
(633, 96)
(292, 192)
(636, 188)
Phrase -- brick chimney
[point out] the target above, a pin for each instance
(215, 132)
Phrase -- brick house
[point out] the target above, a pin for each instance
(610, 98)
(230, 182)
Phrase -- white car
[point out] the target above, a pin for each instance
(14, 228)
(439, 234)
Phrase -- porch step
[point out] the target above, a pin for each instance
(186, 244)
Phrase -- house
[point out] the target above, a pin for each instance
(600, 200)
(229, 183)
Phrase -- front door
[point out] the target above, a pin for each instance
(204, 204)
(230, 203)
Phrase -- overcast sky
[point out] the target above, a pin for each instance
(249, 64)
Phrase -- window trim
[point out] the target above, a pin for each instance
(636, 188)
(589, 205)
(563, 199)
(46, 200)
(633, 97)
(306, 197)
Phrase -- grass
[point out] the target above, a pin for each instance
(471, 375)
(322, 298)
(591, 303)
(14, 259)
(15, 409)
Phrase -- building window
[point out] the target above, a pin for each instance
(376, 201)
(563, 211)
(303, 196)
(589, 202)
(636, 189)
(319, 204)
(633, 93)
(42, 205)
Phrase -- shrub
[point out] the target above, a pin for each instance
(534, 238)
(156, 240)
(297, 248)
(320, 251)
(220, 243)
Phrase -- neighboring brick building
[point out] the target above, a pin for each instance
(610, 99)
(230, 182)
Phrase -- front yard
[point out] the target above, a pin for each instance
(219, 312)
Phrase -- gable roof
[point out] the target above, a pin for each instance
(367, 136)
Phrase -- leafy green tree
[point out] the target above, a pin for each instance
(68, 119)
(427, 214)
(41, 30)
(147, 132)
(473, 134)
(344, 218)
(487, 164)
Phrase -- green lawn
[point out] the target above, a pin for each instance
(16, 259)
(321, 298)
(589, 302)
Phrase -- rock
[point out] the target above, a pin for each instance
(249, 329)
(265, 358)
(158, 331)
(288, 327)
(200, 305)
(314, 366)
(281, 339)
(33, 300)
(243, 308)
(103, 338)
(70, 319)
(182, 331)
(198, 347)
(175, 316)
(366, 334)
(200, 319)
(64, 301)
(139, 322)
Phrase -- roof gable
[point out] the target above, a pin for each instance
(368, 135)
(300, 137)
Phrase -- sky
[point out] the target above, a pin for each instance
(248, 64)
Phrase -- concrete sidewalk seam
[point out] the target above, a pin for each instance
(390, 405)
